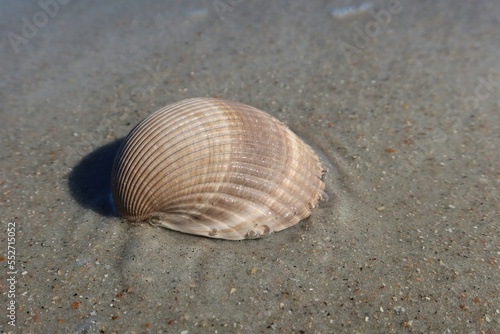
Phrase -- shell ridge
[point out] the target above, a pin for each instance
(198, 226)
(246, 200)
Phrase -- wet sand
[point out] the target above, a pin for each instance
(403, 102)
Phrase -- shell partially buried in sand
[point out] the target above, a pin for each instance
(216, 168)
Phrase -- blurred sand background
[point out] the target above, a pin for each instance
(409, 119)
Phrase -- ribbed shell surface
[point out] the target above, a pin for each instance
(215, 168)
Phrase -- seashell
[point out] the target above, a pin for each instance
(216, 168)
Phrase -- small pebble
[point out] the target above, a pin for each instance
(348, 11)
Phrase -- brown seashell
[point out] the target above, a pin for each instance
(215, 168)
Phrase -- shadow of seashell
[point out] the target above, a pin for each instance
(89, 180)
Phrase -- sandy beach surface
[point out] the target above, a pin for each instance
(401, 98)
